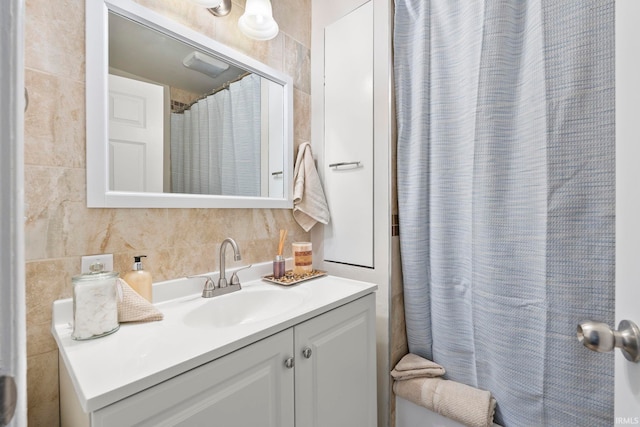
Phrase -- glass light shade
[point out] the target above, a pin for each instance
(207, 3)
(257, 21)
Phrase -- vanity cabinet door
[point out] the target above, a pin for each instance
(249, 387)
(335, 378)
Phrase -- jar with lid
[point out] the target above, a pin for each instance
(95, 305)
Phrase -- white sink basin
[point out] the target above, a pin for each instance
(243, 307)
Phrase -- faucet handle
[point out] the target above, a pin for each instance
(209, 287)
(235, 280)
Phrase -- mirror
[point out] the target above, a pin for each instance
(175, 119)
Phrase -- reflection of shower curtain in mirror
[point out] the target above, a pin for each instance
(215, 145)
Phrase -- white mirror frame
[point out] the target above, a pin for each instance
(97, 123)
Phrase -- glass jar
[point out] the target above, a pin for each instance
(278, 267)
(95, 305)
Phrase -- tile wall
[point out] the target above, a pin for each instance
(59, 229)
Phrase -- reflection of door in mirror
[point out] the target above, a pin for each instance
(273, 116)
(135, 135)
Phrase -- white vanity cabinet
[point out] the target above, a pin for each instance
(335, 377)
(320, 372)
(249, 387)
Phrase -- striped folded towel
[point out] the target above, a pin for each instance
(467, 405)
(132, 307)
(309, 202)
(414, 366)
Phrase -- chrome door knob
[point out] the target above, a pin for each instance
(600, 337)
(289, 363)
(306, 352)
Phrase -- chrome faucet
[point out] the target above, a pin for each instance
(222, 281)
(210, 289)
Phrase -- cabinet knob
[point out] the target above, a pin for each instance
(306, 352)
(289, 362)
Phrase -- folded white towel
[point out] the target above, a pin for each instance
(309, 202)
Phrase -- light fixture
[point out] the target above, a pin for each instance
(216, 7)
(257, 21)
(205, 64)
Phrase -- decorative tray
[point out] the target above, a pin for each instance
(290, 279)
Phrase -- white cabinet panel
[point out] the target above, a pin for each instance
(348, 137)
(250, 387)
(336, 367)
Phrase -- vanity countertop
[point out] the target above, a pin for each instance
(141, 355)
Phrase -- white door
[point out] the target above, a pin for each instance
(627, 394)
(13, 359)
(348, 137)
(136, 142)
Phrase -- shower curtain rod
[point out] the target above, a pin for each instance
(225, 86)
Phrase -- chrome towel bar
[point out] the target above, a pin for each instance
(335, 165)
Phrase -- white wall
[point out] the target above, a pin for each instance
(627, 393)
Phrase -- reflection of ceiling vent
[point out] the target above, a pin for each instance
(205, 64)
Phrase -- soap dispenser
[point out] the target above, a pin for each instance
(139, 279)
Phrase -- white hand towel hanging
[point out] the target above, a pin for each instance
(309, 203)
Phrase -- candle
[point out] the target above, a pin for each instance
(302, 257)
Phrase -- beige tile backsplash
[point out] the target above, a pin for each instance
(59, 228)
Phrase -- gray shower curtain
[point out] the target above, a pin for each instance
(506, 188)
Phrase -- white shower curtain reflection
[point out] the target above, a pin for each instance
(215, 145)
